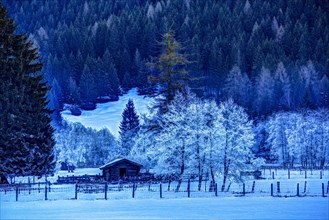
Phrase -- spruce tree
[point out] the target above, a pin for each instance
(129, 127)
(26, 136)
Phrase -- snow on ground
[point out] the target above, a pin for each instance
(108, 115)
(148, 205)
(295, 175)
(185, 208)
(52, 179)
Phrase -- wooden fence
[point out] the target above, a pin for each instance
(47, 191)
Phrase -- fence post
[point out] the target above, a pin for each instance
(305, 174)
(328, 187)
(46, 192)
(106, 186)
(216, 191)
(305, 186)
(169, 185)
(76, 191)
(205, 185)
(29, 184)
(16, 193)
(188, 188)
(321, 174)
(297, 189)
(39, 187)
(323, 190)
(244, 189)
(272, 175)
(149, 186)
(49, 185)
(288, 173)
(278, 187)
(253, 187)
(160, 190)
(271, 189)
(134, 190)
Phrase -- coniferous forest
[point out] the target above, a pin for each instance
(266, 55)
(234, 84)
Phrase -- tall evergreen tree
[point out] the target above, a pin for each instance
(26, 136)
(144, 87)
(129, 127)
(170, 68)
(87, 89)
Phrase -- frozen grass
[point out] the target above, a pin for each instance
(108, 115)
(184, 208)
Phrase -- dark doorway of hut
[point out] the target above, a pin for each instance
(123, 172)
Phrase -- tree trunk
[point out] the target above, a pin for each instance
(212, 173)
(225, 163)
(182, 168)
(201, 169)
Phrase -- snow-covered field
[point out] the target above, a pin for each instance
(174, 205)
(52, 179)
(312, 186)
(184, 208)
(108, 115)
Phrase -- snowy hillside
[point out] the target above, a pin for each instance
(108, 115)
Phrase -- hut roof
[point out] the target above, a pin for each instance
(116, 161)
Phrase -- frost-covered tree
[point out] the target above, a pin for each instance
(294, 138)
(264, 99)
(84, 147)
(311, 85)
(103, 148)
(322, 122)
(283, 87)
(144, 145)
(277, 137)
(324, 91)
(237, 86)
(313, 132)
(261, 147)
(300, 138)
(129, 127)
(150, 11)
(213, 128)
(173, 140)
(237, 139)
(197, 126)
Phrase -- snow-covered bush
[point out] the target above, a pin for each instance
(300, 138)
(84, 147)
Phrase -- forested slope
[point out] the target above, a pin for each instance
(266, 55)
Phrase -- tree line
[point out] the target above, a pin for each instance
(85, 45)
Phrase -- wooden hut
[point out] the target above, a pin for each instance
(120, 169)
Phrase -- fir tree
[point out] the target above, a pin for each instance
(129, 127)
(88, 89)
(26, 136)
